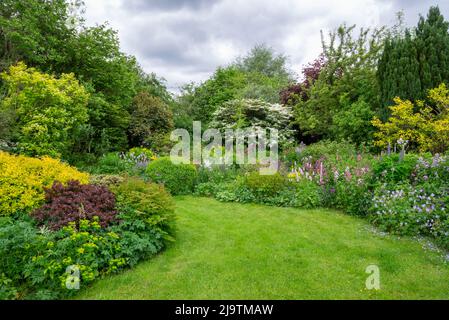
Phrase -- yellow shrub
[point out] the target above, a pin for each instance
(22, 181)
(427, 129)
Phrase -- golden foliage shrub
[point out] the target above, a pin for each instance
(23, 179)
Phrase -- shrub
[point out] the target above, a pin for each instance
(307, 195)
(217, 174)
(432, 174)
(353, 197)
(23, 179)
(426, 130)
(74, 202)
(234, 192)
(34, 263)
(139, 156)
(151, 121)
(392, 169)
(141, 152)
(405, 209)
(138, 240)
(112, 163)
(106, 180)
(92, 250)
(177, 178)
(332, 151)
(254, 114)
(284, 198)
(19, 242)
(206, 189)
(146, 202)
(48, 110)
(265, 185)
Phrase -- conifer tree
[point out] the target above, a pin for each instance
(415, 61)
(432, 42)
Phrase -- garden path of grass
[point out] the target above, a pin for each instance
(235, 251)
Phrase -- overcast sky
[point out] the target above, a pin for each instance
(186, 40)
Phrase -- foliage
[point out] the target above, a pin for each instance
(261, 75)
(183, 107)
(218, 173)
(425, 130)
(75, 202)
(106, 180)
(353, 196)
(265, 185)
(256, 115)
(138, 200)
(406, 210)
(331, 150)
(432, 174)
(274, 190)
(106, 129)
(336, 155)
(266, 74)
(133, 162)
(47, 109)
(346, 82)
(23, 179)
(206, 189)
(112, 163)
(151, 121)
(262, 59)
(34, 262)
(392, 169)
(223, 86)
(177, 178)
(299, 92)
(40, 42)
(62, 43)
(306, 195)
(141, 152)
(234, 192)
(415, 61)
(414, 198)
(400, 57)
(139, 157)
(19, 241)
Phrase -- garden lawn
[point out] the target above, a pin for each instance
(235, 251)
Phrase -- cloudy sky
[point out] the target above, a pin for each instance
(185, 40)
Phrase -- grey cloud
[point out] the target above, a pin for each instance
(163, 5)
(414, 8)
(186, 40)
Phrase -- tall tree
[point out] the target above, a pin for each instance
(51, 36)
(261, 74)
(415, 61)
(151, 122)
(263, 60)
(432, 42)
(340, 103)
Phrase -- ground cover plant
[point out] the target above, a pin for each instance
(74, 232)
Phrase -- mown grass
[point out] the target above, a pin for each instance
(234, 251)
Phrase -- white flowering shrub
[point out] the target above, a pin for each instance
(254, 114)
